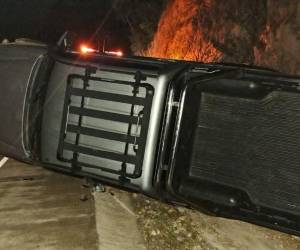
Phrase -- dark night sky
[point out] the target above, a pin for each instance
(46, 20)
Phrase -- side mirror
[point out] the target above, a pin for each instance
(67, 41)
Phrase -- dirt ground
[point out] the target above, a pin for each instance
(41, 209)
(44, 210)
(168, 227)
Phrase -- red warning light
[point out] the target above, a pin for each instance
(115, 53)
(84, 49)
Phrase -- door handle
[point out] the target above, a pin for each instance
(135, 144)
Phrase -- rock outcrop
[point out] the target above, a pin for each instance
(260, 32)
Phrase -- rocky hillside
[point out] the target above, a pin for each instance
(260, 32)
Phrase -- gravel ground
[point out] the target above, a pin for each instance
(168, 227)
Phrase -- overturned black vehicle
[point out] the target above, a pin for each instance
(220, 138)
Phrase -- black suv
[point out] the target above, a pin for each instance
(220, 138)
